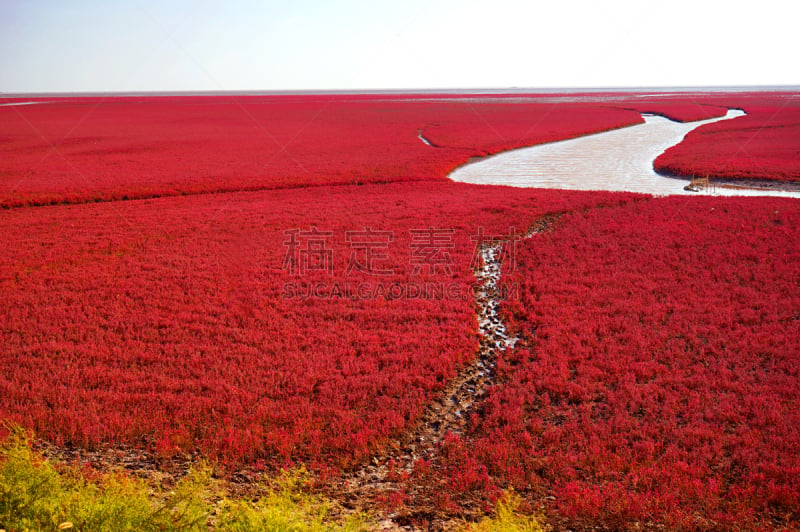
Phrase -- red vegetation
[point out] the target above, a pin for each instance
(88, 149)
(657, 377)
(176, 325)
(504, 126)
(680, 110)
(764, 144)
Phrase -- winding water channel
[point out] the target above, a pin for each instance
(617, 160)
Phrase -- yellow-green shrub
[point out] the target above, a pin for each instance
(35, 495)
(507, 518)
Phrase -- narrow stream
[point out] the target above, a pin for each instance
(421, 137)
(494, 337)
(12, 104)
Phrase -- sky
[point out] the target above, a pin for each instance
(241, 45)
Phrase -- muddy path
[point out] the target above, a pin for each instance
(365, 488)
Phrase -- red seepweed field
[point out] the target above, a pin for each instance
(267, 281)
(83, 150)
(764, 145)
(657, 377)
(176, 323)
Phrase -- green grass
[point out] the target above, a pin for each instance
(36, 495)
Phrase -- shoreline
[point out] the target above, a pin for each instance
(773, 185)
